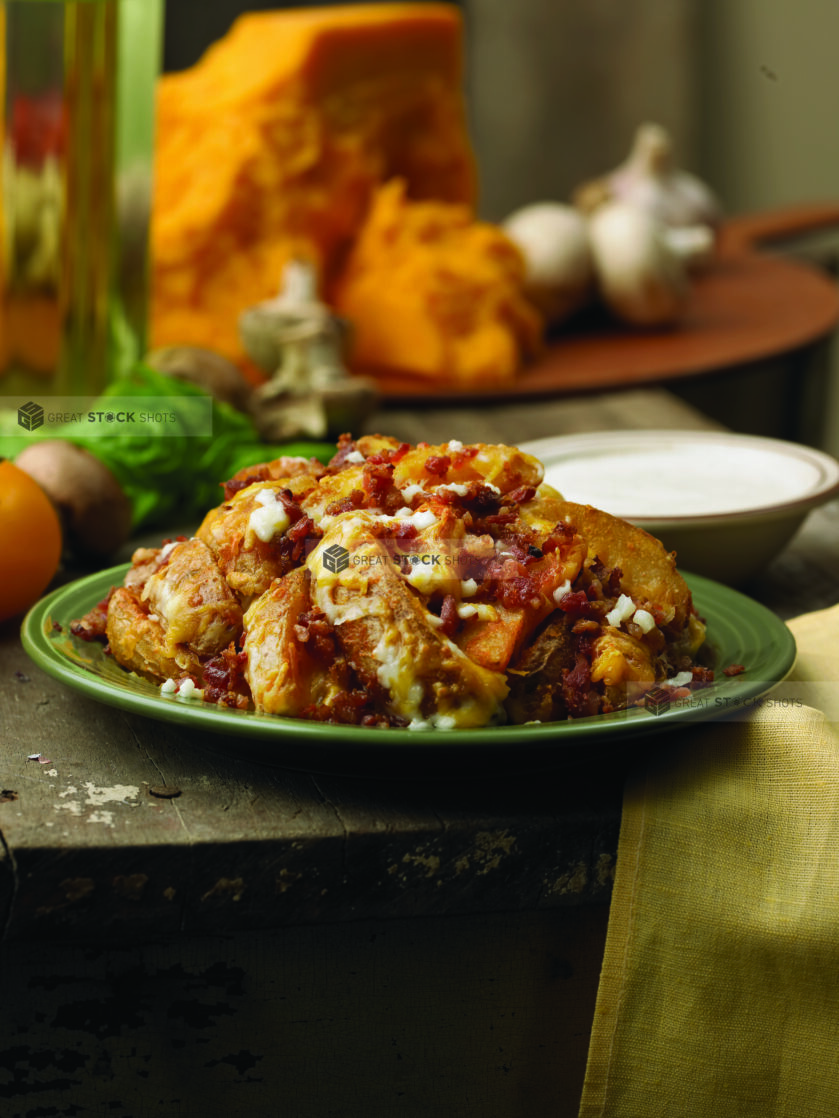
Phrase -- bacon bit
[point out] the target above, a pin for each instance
(514, 587)
(660, 618)
(680, 692)
(380, 720)
(407, 538)
(558, 538)
(733, 669)
(382, 457)
(462, 456)
(479, 500)
(293, 511)
(92, 626)
(519, 496)
(235, 485)
(613, 582)
(438, 464)
(580, 699)
(351, 708)
(406, 531)
(702, 677)
(293, 544)
(450, 622)
(377, 480)
(400, 452)
(346, 445)
(224, 678)
(605, 582)
(315, 631)
(575, 601)
(518, 549)
(355, 500)
(301, 528)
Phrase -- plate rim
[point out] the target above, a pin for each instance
(825, 489)
(141, 697)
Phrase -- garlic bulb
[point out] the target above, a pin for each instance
(641, 276)
(553, 239)
(650, 180)
(693, 243)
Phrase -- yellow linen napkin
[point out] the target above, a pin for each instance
(719, 993)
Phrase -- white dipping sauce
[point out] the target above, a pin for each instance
(643, 483)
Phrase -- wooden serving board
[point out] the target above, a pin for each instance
(749, 305)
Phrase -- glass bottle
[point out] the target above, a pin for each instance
(77, 90)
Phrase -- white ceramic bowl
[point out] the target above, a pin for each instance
(725, 503)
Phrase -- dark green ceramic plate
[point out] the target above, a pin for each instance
(739, 631)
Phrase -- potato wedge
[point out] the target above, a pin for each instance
(649, 571)
(190, 596)
(389, 639)
(282, 673)
(139, 643)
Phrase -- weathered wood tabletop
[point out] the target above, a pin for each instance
(197, 838)
(123, 838)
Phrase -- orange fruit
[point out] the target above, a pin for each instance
(30, 540)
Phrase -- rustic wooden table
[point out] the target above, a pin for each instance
(189, 932)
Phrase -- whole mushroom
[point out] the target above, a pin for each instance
(95, 513)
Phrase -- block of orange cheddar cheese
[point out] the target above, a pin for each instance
(274, 143)
(432, 292)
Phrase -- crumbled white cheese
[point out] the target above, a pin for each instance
(468, 588)
(444, 721)
(423, 518)
(561, 591)
(644, 620)
(680, 680)
(435, 722)
(411, 491)
(622, 611)
(482, 610)
(458, 487)
(420, 518)
(454, 446)
(270, 518)
(186, 689)
(355, 456)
